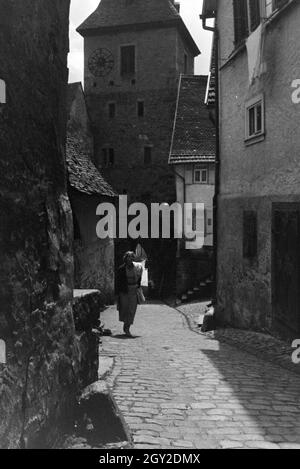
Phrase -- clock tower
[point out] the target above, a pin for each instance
(135, 51)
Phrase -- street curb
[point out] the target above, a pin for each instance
(103, 377)
(281, 362)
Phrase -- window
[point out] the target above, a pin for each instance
(127, 60)
(108, 157)
(140, 108)
(104, 157)
(197, 217)
(200, 174)
(111, 157)
(246, 18)
(147, 156)
(249, 234)
(248, 15)
(208, 222)
(269, 6)
(111, 110)
(255, 126)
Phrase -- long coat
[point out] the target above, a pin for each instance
(121, 279)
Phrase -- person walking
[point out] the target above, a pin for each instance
(128, 290)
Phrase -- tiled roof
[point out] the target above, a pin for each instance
(83, 174)
(122, 13)
(194, 135)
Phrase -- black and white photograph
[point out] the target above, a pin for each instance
(149, 229)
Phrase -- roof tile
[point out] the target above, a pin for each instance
(194, 136)
(123, 12)
(83, 174)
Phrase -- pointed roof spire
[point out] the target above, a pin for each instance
(126, 14)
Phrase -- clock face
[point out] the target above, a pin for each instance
(101, 62)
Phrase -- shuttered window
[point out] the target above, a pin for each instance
(255, 15)
(240, 10)
(108, 157)
(247, 16)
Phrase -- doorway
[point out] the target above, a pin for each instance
(286, 269)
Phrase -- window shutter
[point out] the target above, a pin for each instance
(254, 14)
(240, 11)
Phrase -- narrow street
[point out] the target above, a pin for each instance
(179, 389)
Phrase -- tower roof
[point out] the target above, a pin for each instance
(135, 14)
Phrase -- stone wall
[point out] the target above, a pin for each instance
(87, 307)
(128, 134)
(94, 257)
(36, 266)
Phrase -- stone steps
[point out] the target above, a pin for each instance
(203, 291)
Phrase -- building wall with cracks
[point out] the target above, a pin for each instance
(38, 381)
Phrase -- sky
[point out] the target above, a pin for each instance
(189, 10)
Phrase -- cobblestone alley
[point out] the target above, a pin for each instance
(179, 389)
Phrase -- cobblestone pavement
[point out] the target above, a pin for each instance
(257, 343)
(178, 389)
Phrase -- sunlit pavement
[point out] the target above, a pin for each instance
(179, 389)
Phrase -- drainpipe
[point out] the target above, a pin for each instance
(217, 163)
